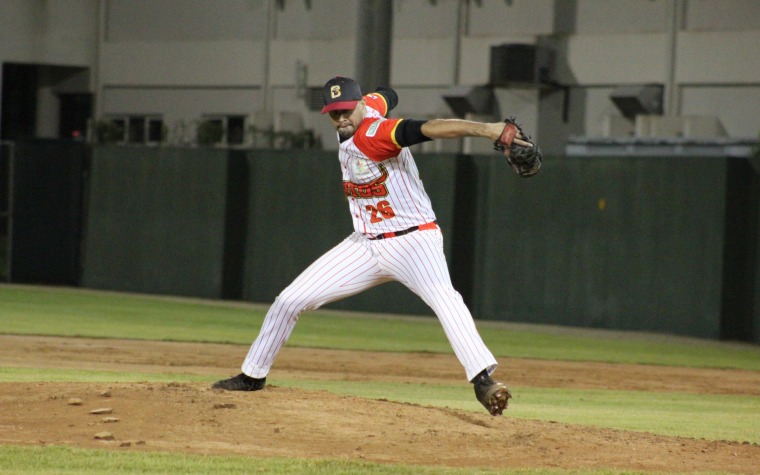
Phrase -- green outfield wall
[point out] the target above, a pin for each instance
(633, 243)
(156, 221)
(625, 243)
(42, 210)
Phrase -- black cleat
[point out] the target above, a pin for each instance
(241, 382)
(492, 394)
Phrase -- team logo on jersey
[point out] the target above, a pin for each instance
(335, 91)
(361, 167)
(372, 189)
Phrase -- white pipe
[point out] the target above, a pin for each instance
(96, 82)
(267, 89)
(672, 91)
(462, 18)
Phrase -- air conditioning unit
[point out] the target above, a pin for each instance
(521, 65)
(636, 100)
(464, 100)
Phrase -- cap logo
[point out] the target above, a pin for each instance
(335, 91)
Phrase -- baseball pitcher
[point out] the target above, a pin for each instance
(395, 236)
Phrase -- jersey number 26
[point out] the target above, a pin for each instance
(381, 212)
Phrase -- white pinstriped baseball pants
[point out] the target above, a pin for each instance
(357, 264)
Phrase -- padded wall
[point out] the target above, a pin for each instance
(156, 220)
(624, 243)
(48, 180)
(629, 243)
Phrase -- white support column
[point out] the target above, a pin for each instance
(672, 89)
(374, 41)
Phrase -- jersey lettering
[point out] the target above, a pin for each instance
(372, 189)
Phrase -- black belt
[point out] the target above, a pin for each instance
(421, 227)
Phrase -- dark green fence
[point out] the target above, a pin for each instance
(42, 211)
(625, 243)
(156, 221)
(652, 244)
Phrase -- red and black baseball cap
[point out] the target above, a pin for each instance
(340, 93)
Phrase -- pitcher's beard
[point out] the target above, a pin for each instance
(346, 133)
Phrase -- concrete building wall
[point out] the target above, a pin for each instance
(183, 59)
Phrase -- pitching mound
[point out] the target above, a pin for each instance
(279, 421)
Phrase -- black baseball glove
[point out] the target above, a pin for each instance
(525, 161)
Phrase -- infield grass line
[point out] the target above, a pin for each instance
(74, 312)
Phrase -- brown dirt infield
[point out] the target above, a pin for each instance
(192, 418)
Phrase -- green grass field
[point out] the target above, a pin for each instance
(71, 312)
(41, 311)
(73, 461)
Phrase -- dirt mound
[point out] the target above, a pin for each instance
(191, 417)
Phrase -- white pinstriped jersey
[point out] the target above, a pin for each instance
(385, 195)
(380, 178)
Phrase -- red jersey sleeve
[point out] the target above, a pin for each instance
(376, 138)
(377, 102)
